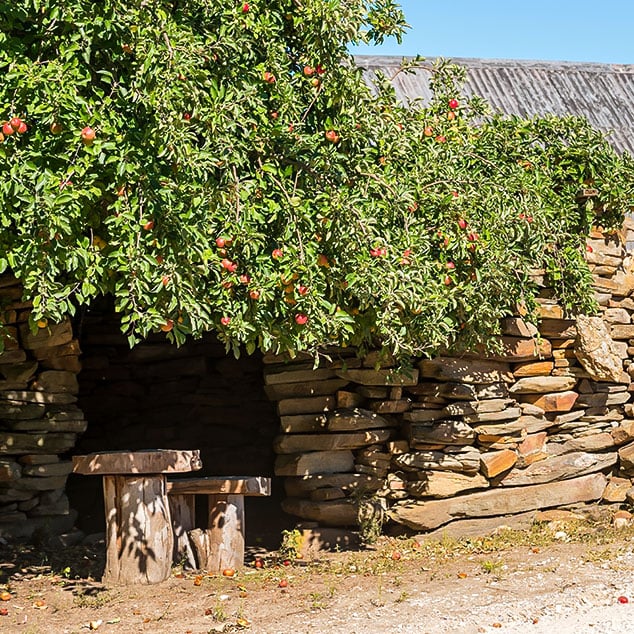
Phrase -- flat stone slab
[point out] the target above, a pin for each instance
(431, 514)
(380, 377)
(465, 370)
(132, 462)
(295, 443)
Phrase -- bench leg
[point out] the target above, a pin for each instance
(183, 512)
(139, 540)
(221, 545)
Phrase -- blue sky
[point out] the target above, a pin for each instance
(568, 30)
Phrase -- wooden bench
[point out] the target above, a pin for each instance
(220, 545)
(139, 538)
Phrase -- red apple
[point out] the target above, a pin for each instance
(268, 77)
(22, 128)
(277, 254)
(225, 321)
(168, 325)
(322, 260)
(254, 294)
(319, 69)
(220, 243)
(462, 223)
(187, 116)
(332, 136)
(283, 583)
(302, 290)
(301, 319)
(165, 280)
(450, 265)
(315, 82)
(149, 225)
(447, 281)
(428, 131)
(245, 279)
(88, 135)
(441, 138)
(15, 123)
(309, 71)
(229, 265)
(473, 237)
(245, 7)
(7, 129)
(56, 127)
(453, 104)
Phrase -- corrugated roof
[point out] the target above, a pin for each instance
(603, 93)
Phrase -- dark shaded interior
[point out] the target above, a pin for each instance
(158, 395)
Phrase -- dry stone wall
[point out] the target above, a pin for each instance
(39, 419)
(548, 422)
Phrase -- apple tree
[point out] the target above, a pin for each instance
(226, 166)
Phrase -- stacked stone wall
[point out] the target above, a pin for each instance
(548, 422)
(39, 418)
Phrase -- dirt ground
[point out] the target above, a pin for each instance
(566, 576)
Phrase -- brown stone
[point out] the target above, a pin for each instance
(533, 368)
(448, 432)
(550, 311)
(595, 351)
(303, 423)
(380, 377)
(9, 470)
(593, 442)
(496, 462)
(602, 399)
(626, 458)
(558, 328)
(314, 462)
(431, 514)
(532, 443)
(558, 515)
(14, 410)
(327, 493)
(349, 399)
(528, 424)
(622, 331)
(48, 470)
(616, 316)
(555, 402)
(423, 415)
(53, 351)
(616, 489)
(463, 408)
(19, 372)
(510, 413)
(444, 484)
(356, 420)
(624, 432)
(391, 407)
(298, 376)
(569, 465)
(310, 388)
(466, 461)
(52, 335)
(310, 405)
(297, 443)
(517, 327)
(465, 370)
(351, 483)
(329, 513)
(543, 384)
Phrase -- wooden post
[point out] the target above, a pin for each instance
(226, 532)
(139, 540)
(183, 511)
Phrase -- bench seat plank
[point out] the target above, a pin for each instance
(226, 485)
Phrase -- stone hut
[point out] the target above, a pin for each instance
(549, 422)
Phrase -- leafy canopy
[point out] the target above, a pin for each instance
(244, 177)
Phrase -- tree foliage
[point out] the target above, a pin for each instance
(246, 177)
